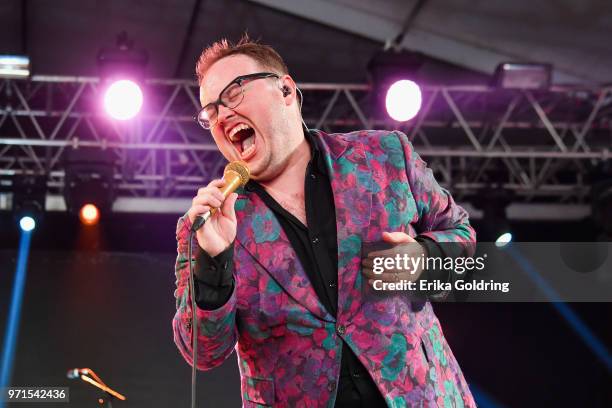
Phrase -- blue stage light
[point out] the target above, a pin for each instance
(29, 195)
(27, 223)
(503, 240)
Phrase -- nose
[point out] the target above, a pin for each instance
(223, 114)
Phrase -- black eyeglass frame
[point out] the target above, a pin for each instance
(238, 80)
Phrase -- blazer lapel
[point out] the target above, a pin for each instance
(351, 182)
(262, 235)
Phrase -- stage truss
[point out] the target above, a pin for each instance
(541, 146)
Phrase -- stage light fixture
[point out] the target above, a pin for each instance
(27, 223)
(29, 193)
(513, 75)
(503, 240)
(123, 99)
(403, 100)
(89, 214)
(88, 180)
(395, 92)
(122, 72)
(14, 66)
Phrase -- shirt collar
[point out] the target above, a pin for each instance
(316, 157)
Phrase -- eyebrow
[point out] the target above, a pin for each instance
(218, 94)
(206, 104)
(209, 102)
(200, 96)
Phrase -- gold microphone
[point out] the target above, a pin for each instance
(236, 174)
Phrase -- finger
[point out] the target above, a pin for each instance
(393, 277)
(212, 192)
(201, 209)
(213, 188)
(228, 209)
(370, 260)
(383, 253)
(397, 237)
(385, 277)
(367, 263)
(197, 210)
(208, 199)
(370, 274)
(216, 183)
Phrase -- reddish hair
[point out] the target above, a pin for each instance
(263, 54)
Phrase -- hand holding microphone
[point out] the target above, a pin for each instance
(212, 211)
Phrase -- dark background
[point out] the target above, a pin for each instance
(109, 306)
(104, 298)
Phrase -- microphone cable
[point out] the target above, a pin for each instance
(194, 321)
(237, 174)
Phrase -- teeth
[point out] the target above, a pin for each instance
(236, 129)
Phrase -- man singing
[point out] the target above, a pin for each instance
(279, 270)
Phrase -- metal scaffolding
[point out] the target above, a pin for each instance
(542, 146)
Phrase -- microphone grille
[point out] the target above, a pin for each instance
(241, 169)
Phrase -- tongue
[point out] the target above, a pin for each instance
(248, 142)
(248, 146)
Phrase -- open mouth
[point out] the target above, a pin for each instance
(242, 137)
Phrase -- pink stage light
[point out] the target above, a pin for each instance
(403, 100)
(123, 99)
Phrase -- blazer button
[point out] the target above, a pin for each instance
(188, 325)
(331, 386)
(341, 329)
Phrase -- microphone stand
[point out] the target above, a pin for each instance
(108, 393)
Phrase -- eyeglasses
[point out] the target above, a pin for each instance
(231, 96)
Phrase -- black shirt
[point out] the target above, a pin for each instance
(317, 249)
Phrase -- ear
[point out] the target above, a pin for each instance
(288, 89)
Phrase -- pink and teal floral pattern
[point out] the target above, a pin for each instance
(288, 345)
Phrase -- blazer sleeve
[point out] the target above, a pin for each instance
(217, 332)
(439, 217)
